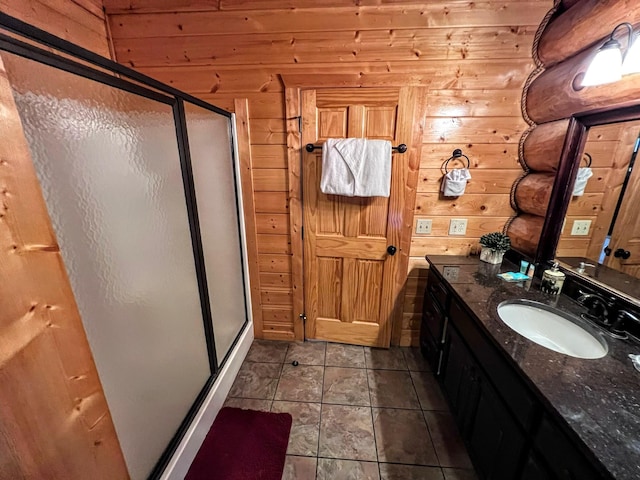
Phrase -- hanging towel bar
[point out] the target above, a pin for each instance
(310, 147)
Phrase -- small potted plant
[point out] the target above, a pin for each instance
(493, 247)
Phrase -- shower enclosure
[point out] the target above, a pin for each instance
(140, 184)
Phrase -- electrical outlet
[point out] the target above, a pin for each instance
(580, 227)
(458, 226)
(423, 226)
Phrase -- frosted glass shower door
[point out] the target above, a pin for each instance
(110, 171)
(210, 145)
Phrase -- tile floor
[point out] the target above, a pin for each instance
(358, 413)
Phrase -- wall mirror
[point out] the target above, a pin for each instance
(598, 222)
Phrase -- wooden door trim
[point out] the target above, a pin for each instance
(410, 133)
(241, 108)
(293, 117)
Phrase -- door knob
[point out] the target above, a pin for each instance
(622, 253)
(391, 250)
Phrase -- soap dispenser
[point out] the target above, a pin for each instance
(552, 280)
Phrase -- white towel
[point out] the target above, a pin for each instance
(356, 167)
(584, 174)
(455, 182)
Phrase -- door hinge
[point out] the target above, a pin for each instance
(300, 124)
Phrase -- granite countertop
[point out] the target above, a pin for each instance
(598, 399)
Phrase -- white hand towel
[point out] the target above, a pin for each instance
(356, 167)
(584, 174)
(454, 182)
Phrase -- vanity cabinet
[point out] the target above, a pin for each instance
(495, 440)
(508, 430)
(434, 319)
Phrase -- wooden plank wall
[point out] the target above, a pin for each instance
(473, 57)
(78, 21)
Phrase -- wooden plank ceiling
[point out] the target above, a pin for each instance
(473, 56)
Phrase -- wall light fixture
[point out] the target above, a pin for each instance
(610, 62)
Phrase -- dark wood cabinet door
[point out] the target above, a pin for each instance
(495, 439)
(459, 380)
(533, 469)
(562, 456)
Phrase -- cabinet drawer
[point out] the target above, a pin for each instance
(437, 290)
(561, 455)
(514, 392)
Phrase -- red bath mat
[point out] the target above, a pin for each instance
(243, 445)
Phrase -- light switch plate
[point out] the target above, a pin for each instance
(423, 226)
(451, 273)
(458, 226)
(581, 227)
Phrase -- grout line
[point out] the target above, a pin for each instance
(324, 368)
(373, 426)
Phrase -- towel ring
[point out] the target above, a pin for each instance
(457, 155)
(585, 154)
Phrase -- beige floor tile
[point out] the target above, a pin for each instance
(391, 471)
(332, 469)
(249, 404)
(347, 432)
(299, 468)
(267, 351)
(402, 437)
(339, 355)
(385, 358)
(303, 439)
(307, 353)
(345, 386)
(415, 360)
(256, 380)
(459, 474)
(300, 384)
(392, 388)
(429, 392)
(446, 440)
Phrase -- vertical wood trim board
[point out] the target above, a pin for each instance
(294, 142)
(248, 202)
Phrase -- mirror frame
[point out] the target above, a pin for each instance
(570, 157)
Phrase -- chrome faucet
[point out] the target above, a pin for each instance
(598, 306)
(618, 326)
(580, 268)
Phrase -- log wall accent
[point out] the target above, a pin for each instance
(54, 420)
(472, 62)
(567, 44)
(576, 30)
(543, 146)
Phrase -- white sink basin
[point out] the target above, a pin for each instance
(551, 329)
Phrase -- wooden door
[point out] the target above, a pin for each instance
(626, 232)
(350, 280)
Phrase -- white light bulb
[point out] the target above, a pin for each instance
(606, 67)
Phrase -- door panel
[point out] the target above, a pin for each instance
(626, 232)
(349, 276)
